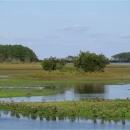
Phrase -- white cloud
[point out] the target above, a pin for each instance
(74, 29)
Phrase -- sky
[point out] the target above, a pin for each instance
(59, 28)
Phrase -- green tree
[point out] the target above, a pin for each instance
(53, 63)
(48, 64)
(60, 63)
(90, 62)
(16, 53)
(125, 57)
(69, 58)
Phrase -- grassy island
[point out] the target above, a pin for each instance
(94, 108)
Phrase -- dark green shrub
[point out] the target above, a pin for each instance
(53, 64)
(90, 62)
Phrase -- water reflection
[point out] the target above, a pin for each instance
(89, 89)
(77, 92)
(20, 121)
(28, 117)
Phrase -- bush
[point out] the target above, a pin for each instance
(90, 62)
(53, 64)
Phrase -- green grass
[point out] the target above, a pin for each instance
(20, 92)
(32, 74)
(94, 108)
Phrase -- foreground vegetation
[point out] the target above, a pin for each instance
(32, 74)
(99, 108)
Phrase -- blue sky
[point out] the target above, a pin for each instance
(61, 28)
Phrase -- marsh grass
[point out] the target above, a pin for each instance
(32, 74)
(94, 108)
(27, 92)
(32, 65)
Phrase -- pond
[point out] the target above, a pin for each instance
(11, 122)
(78, 92)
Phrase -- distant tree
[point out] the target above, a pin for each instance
(16, 53)
(53, 63)
(90, 62)
(125, 56)
(69, 58)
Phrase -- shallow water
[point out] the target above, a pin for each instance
(9, 121)
(78, 92)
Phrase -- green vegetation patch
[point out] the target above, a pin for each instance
(32, 74)
(99, 108)
(121, 57)
(16, 54)
(90, 62)
(20, 92)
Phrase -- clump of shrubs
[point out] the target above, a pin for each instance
(52, 63)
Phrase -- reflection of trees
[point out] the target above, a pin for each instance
(61, 118)
(17, 115)
(13, 113)
(41, 117)
(89, 89)
(123, 122)
(33, 116)
(94, 120)
(53, 118)
(80, 88)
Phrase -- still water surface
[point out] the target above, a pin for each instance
(10, 122)
(78, 92)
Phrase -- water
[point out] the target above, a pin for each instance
(120, 63)
(4, 76)
(11, 122)
(78, 92)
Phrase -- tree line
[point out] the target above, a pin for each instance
(123, 57)
(16, 53)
